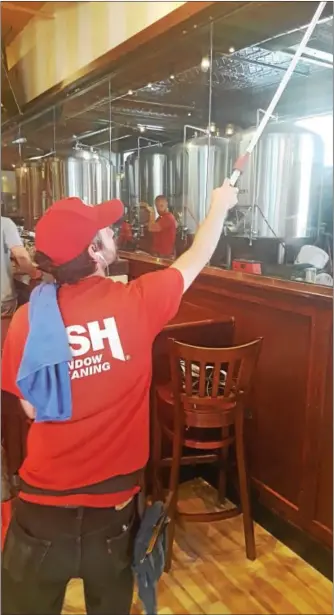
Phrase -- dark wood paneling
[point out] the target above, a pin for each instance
(290, 429)
(323, 515)
(282, 369)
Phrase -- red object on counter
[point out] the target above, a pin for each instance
(6, 515)
(247, 266)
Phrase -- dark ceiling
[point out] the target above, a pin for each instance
(169, 88)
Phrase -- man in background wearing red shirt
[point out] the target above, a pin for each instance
(163, 228)
(75, 515)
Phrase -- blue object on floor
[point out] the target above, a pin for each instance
(43, 377)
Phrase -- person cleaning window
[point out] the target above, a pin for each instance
(79, 357)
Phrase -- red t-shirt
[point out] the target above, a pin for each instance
(111, 328)
(164, 240)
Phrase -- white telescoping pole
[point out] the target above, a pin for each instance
(241, 162)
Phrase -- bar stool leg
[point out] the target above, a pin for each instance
(244, 489)
(156, 451)
(223, 457)
(173, 490)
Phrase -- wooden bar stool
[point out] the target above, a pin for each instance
(206, 401)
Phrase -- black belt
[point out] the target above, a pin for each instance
(116, 484)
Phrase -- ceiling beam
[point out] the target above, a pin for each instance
(18, 8)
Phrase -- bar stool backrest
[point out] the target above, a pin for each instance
(212, 379)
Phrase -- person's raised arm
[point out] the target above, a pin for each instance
(24, 262)
(153, 226)
(17, 250)
(191, 263)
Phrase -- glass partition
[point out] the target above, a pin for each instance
(172, 124)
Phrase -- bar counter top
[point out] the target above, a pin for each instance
(276, 285)
(289, 425)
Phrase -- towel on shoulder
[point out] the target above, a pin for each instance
(43, 376)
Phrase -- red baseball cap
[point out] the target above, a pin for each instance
(68, 227)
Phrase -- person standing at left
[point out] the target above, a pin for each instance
(12, 248)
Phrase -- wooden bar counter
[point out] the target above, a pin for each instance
(289, 434)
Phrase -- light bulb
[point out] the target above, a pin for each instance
(130, 92)
(229, 130)
(231, 50)
(205, 64)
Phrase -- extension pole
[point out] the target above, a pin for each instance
(242, 161)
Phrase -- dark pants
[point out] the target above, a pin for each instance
(48, 546)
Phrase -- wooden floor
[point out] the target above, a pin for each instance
(211, 574)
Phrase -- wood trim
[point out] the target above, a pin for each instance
(299, 290)
(174, 21)
(18, 8)
(322, 322)
(237, 291)
(300, 488)
(290, 513)
(171, 26)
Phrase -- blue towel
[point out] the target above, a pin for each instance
(43, 377)
(148, 568)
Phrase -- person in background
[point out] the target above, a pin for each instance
(12, 248)
(163, 228)
(76, 511)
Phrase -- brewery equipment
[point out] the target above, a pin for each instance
(30, 193)
(195, 168)
(282, 181)
(145, 175)
(83, 173)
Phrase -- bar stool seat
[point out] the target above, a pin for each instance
(201, 412)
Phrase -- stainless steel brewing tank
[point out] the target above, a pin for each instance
(30, 191)
(85, 174)
(195, 169)
(145, 175)
(283, 178)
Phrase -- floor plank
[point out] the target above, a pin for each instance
(211, 574)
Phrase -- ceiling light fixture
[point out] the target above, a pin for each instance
(149, 85)
(172, 77)
(19, 141)
(229, 130)
(154, 128)
(189, 114)
(141, 128)
(130, 92)
(231, 50)
(205, 64)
